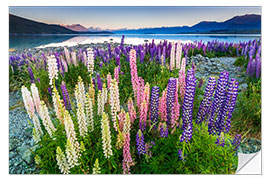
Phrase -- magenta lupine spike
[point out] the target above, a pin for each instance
(170, 98)
(223, 121)
(163, 107)
(131, 111)
(109, 80)
(154, 104)
(206, 102)
(140, 91)
(133, 72)
(143, 115)
(182, 79)
(121, 119)
(219, 99)
(163, 130)
(116, 74)
(188, 106)
(140, 143)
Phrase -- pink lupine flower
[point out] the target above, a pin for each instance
(163, 106)
(143, 115)
(121, 119)
(116, 74)
(182, 79)
(109, 80)
(131, 111)
(175, 112)
(140, 91)
(133, 71)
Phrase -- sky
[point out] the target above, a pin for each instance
(130, 17)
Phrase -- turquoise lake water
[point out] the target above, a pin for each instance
(41, 41)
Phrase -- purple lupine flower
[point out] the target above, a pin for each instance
(50, 91)
(65, 96)
(140, 142)
(99, 82)
(142, 54)
(164, 56)
(170, 98)
(31, 74)
(38, 80)
(164, 130)
(236, 142)
(206, 102)
(188, 106)
(220, 143)
(258, 66)
(225, 114)
(117, 59)
(200, 83)
(154, 104)
(219, 99)
(94, 82)
(180, 155)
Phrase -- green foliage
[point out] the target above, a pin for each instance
(241, 61)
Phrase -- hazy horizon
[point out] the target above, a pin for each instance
(130, 17)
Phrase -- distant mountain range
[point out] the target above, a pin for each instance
(246, 24)
(19, 25)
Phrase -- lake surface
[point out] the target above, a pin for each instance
(42, 41)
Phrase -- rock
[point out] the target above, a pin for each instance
(28, 156)
(243, 87)
(13, 143)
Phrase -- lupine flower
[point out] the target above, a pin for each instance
(131, 111)
(104, 95)
(140, 142)
(154, 105)
(206, 102)
(36, 136)
(127, 161)
(116, 74)
(90, 60)
(140, 92)
(96, 168)
(44, 114)
(163, 107)
(163, 130)
(89, 112)
(80, 92)
(81, 120)
(172, 58)
(182, 78)
(52, 68)
(106, 136)
(175, 111)
(67, 55)
(220, 141)
(180, 155)
(236, 142)
(219, 99)
(62, 161)
(223, 120)
(50, 91)
(109, 79)
(58, 106)
(92, 92)
(65, 96)
(114, 100)
(188, 106)
(72, 156)
(28, 102)
(31, 74)
(99, 104)
(133, 72)
(37, 127)
(70, 133)
(143, 115)
(178, 55)
(73, 58)
(99, 82)
(170, 98)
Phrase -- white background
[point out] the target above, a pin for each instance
(4, 79)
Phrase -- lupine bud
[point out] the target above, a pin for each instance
(96, 168)
(188, 106)
(62, 161)
(236, 142)
(106, 136)
(206, 102)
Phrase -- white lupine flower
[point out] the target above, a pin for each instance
(80, 92)
(36, 98)
(70, 132)
(52, 68)
(65, 65)
(62, 161)
(89, 113)
(106, 136)
(28, 102)
(81, 120)
(99, 103)
(36, 136)
(172, 58)
(44, 114)
(85, 59)
(90, 60)
(67, 55)
(104, 95)
(114, 101)
(58, 105)
(178, 55)
(96, 168)
(74, 58)
(72, 156)
(37, 127)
